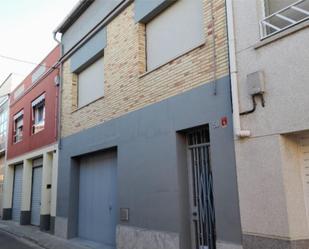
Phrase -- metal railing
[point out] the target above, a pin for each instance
(285, 18)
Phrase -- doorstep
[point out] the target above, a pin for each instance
(34, 235)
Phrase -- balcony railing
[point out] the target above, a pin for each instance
(285, 18)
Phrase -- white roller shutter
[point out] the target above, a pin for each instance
(91, 83)
(174, 32)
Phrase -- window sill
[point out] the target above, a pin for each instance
(90, 103)
(34, 133)
(281, 35)
(171, 60)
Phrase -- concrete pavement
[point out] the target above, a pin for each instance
(34, 236)
(8, 241)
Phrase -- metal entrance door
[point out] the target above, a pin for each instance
(203, 231)
(97, 218)
(17, 192)
(36, 196)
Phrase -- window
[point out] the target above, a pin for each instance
(38, 72)
(283, 14)
(272, 6)
(3, 128)
(38, 114)
(19, 91)
(91, 83)
(174, 32)
(1, 183)
(18, 127)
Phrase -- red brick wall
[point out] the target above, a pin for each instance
(49, 134)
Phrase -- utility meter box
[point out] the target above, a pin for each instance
(256, 83)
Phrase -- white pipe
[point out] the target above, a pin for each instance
(233, 71)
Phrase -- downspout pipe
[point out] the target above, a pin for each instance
(59, 111)
(233, 72)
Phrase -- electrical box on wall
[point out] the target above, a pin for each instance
(124, 214)
(256, 83)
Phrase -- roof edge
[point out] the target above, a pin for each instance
(73, 15)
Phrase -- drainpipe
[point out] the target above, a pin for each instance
(233, 72)
(59, 92)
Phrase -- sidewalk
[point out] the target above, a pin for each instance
(34, 235)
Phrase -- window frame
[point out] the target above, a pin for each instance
(265, 31)
(35, 105)
(19, 116)
(179, 53)
(80, 106)
(3, 126)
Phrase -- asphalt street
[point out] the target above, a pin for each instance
(9, 242)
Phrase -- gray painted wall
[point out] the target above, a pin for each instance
(89, 52)
(152, 178)
(146, 10)
(88, 20)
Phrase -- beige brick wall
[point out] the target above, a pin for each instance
(127, 87)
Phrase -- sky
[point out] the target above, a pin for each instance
(26, 28)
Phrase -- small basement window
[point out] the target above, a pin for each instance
(38, 114)
(18, 127)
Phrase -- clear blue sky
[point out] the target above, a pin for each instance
(26, 31)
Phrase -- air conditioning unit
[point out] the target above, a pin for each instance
(57, 80)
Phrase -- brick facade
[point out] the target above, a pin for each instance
(128, 87)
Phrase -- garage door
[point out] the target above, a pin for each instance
(36, 196)
(17, 192)
(97, 198)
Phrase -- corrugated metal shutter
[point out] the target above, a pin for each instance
(97, 198)
(17, 192)
(36, 196)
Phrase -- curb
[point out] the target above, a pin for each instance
(22, 238)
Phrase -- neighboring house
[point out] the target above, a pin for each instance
(147, 145)
(5, 89)
(272, 56)
(31, 166)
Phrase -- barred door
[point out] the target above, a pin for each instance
(201, 190)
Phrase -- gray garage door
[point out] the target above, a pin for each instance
(97, 198)
(36, 196)
(17, 192)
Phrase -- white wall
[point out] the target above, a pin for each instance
(267, 161)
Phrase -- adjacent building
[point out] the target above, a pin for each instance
(151, 99)
(272, 56)
(31, 166)
(6, 88)
(146, 155)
